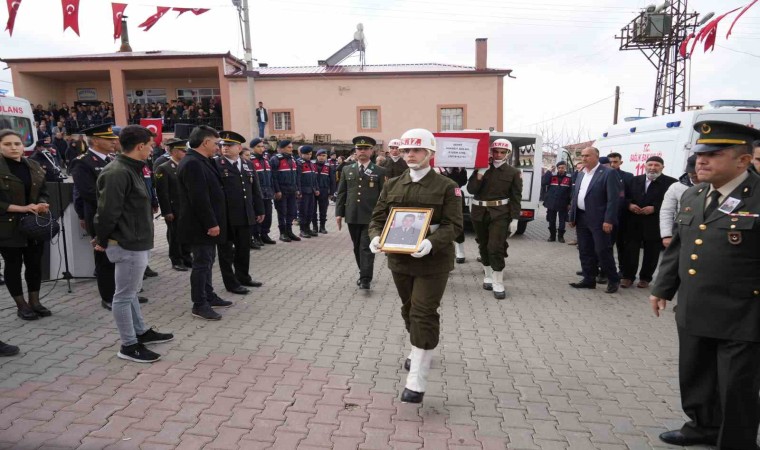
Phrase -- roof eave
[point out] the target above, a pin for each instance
(489, 72)
(118, 57)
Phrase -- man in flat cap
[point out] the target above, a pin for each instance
(643, 200)
(168, 191)
(713, 264)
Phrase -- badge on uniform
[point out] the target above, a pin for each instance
(457, 192)
(735, 237)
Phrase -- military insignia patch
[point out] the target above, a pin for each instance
(457, 192)
(735, 237)
(706, 129)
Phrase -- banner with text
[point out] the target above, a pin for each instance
(467, 150)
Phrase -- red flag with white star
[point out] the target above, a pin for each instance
(70, 15)
(118, 11)
(152, 20)
(196, 11)
(12, 11)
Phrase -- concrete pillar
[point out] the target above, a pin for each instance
(119, 93)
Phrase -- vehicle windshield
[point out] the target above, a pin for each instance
(21, 125)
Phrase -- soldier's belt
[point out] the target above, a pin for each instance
(501, 202)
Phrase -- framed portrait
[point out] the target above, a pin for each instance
(405, 230)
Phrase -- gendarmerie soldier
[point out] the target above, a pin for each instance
(307, 204)
(497, 193)
(287, 189)
(168, 190)
(713, 263)
(394, 163)
(421, 277)
(326, 187)
(264, 174)
(244, 208)
(557, 192)
(359, 188)
(85, 170)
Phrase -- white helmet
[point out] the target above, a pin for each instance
(418, 138)
(502, 143)
(394, 143)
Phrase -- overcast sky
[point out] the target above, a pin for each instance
(563, 52)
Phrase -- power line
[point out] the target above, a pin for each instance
(737, 51)
(571, 112)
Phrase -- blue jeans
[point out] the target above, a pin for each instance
(262, 125)
(128, 275)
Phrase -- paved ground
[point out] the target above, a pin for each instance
(309, 362)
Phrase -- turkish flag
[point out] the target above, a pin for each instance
(155, 126)
(12, 10)
(118, 11)
(684, 44)
(150, 21)
(70, 15)
(737, 17)
(196, 11)
(708, 32)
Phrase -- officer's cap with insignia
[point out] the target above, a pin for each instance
(364, 142)
(715, 135)
(103, 131)
(231, 138)
(176, 143)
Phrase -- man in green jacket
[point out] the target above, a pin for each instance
(124, 231)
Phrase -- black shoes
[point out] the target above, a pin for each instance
(612, 288)
(552, 238)
(105, 305)
(409, 396)
(407, 364)
(138, 353)
(8, 349)
(240, 290)
(579, 273)
(460, 260)
(205, 312)
(285, 238)
(142, 300)
(305, 235)
(583, 284)
(27, 314)
(601, 279)
(488, 286)
(364, 284)
(267, 240)
(255, 244)
(150, 272)
(250, 282)
(179, 267)
(154, 337)
(313, 233)
(500, 295)
(293, 237)
(675, 437)
(41, 311)
(323, 230)
(2, 282)
(218, 302)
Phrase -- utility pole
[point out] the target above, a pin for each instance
(245, 24)
(617, 105)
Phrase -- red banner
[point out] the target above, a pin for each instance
(739, 16)
(12, 11)
(118, 11)
(196, 11)
(152, 20)
(155, 126)
(70, 15)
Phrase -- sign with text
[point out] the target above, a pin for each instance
(84, 94)
(467, 150)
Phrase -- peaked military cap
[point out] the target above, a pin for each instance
(715, 135)
(364, 142)
(231, 138)
(174, 143)
(103, 131)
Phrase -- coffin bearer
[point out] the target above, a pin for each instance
(712, 263)
(244, 208)
(264, 173)
(421, 277)
(167, 188)
(495, 210)
(394, 164)
(358, 191)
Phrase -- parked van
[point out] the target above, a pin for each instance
(16, 114)
(670, 136)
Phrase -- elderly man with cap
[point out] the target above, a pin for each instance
(497, 192)
(421, 277)
(394, 164)
(245, 207)
(326, 187)
(643, 200)
(263, 170)
(671, 203)
(307, 204)
(287, 189)
(713, 264)
(168, 190)
(358, 191)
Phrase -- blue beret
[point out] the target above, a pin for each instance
(306, 149)
(321, 151)
(283, 143)
(604, 160)
(255, 142)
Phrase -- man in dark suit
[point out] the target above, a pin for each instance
(713, 263)
(643, 198)
(168, 190)
(202, 217)
(594, 210)
(616, 160)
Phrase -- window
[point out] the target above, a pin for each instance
(368, 118)
(281, 120)
(202, 95)
(146, 96)
(20, 125)
(452, 117)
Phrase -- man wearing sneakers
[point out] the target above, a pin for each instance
(124, 231)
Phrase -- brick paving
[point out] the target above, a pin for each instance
(310, 362)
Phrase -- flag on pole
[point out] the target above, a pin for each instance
(118, 11)
(13, 6)
(152, 20)
(70, 15)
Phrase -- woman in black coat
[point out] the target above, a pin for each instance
(22, 190)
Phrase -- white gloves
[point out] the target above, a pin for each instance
(482, 171)
(425, 247)
(512, 227)
(374, 245)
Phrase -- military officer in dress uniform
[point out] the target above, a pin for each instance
(85, 170)
(168, 190)
(714, 265)
(358, 191)
(263, 170)
(244, 208)
(421, 277)
(495, 208)
(394, 163)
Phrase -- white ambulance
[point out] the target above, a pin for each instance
(16, 114)
(671, 136)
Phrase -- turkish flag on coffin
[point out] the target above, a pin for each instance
(70, 15)
(118, 11)
(154, 125)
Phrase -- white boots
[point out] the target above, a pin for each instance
(498, 285)
(488, 278)
(459, 248)
(416, 381)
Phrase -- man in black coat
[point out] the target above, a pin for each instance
(202, 217)
(557, 192)
(643, 197)
(168, 190)
(244, 208)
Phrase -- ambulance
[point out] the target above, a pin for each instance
(16, 114)
(671, 136)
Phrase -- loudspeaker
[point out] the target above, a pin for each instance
(182, 130)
